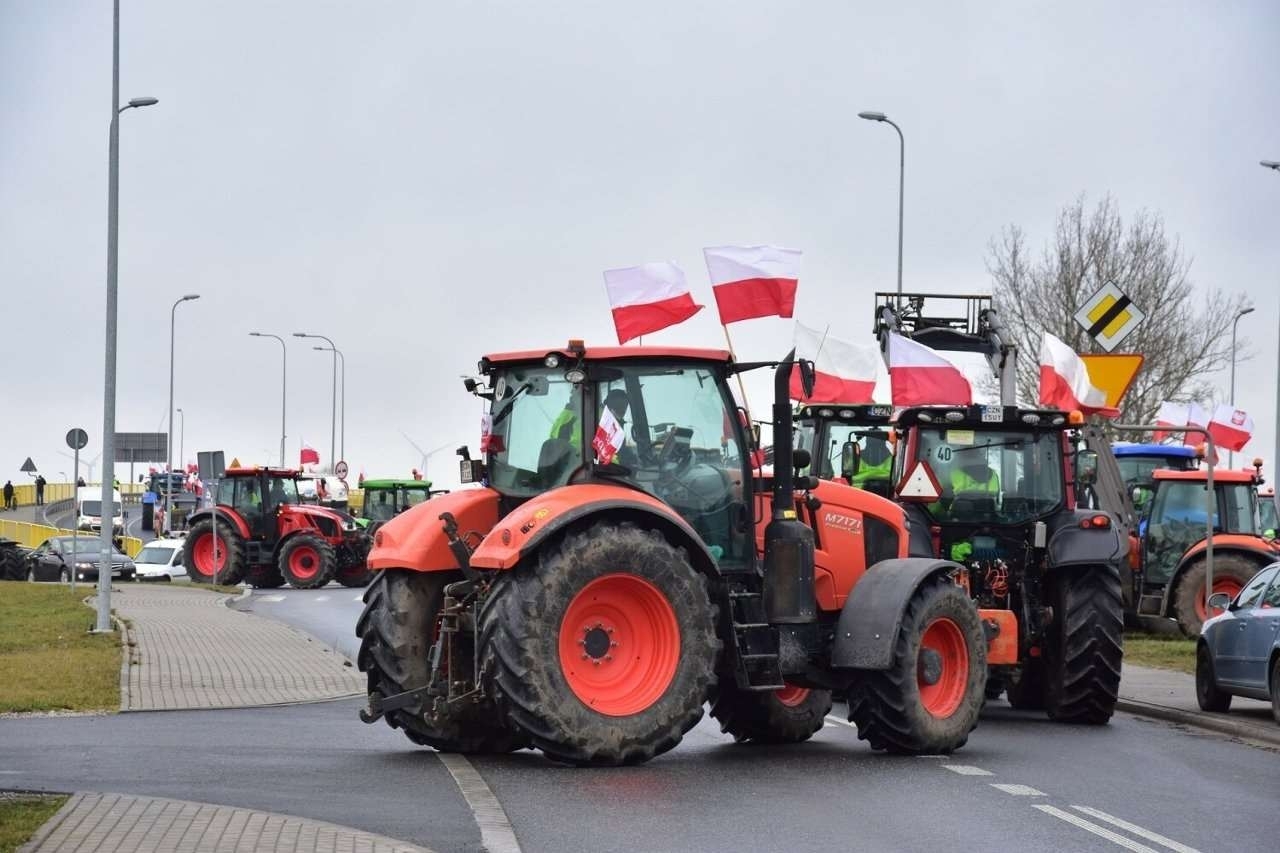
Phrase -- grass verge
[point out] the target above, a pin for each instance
(48, 659)
(1160, 652)
(21, 815)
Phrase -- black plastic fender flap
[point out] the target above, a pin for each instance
(872, 614)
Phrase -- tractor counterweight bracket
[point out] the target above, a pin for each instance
(379, 705)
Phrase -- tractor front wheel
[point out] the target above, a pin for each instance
(210, 561)
(264, 577)
(604, 651)
(929, 699)
(307, 562)
(790, 715)
(1230, 573)
(1085, 646)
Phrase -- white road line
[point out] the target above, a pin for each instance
(358, 598)
(1136, 830)
(268, 598)
(320, 598)
(1099, 831)
(968, 770)
(1018, 790)
(834, 719)
(496, 834)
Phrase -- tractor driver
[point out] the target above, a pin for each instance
(566, 426)
(876, 462)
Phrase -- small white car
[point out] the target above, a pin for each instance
(161, 560)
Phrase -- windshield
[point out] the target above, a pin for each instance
(282, 490)
(1267, 515)
(95, 508)
(840, 444)
(154, 554)
(532, 434)
(992, 476)
(85, 545)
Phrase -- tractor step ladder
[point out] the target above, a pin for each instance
(757, 642)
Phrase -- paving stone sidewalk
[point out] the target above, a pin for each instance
(106, 823)
(192, 651)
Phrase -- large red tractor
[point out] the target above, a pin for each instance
(267, 537)
(603, 582)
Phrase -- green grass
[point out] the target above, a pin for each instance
(48, 659)
(22, 815)
(1160, 652)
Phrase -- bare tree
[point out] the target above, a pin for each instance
(1186, 335)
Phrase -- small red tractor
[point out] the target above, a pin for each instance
(604, 581)
(267, 537)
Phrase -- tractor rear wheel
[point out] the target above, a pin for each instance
(1230, 573)
(396, 631)
(1085, 647)
(198, 554)
(264, 577)
(604, 650)
(306, 561)
(929, 699)
(790, 715)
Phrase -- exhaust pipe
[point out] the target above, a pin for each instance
(788, 542)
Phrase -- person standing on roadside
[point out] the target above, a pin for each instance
(8, 494)
(40, 481)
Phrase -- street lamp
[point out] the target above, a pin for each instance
(1231, 456)
(1275, 462)
(168, 489)
(1270, 164)
(902, 172)
(342, 362)
(333, 422)
(103, 623)
(284, 379)
(182, 439)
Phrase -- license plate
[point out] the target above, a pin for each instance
(992, 414)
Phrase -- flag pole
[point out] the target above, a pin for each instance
(742, 387)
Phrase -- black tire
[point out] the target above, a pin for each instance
(1275, 687)
(233, 568)
(521, 623)
(64, 575)
(768, 717)
(354, 574)
(887, 705)
(995, 687)
(1208, 696)
(1028, 692)
(1085, 647)
(264, 577)
(396, 631)
(306, 561)
(1233, 566)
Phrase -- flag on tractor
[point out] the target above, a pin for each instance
(1230, 428)
(1196, 417)
(753, 281)
(919, 376)
(1170, 415)
(608, 438)
(1065, 383)
(308, 456)
(843, 372)
(648, 298)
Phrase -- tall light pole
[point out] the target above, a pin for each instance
(342, 366)
(333, 423)
(284, 384)
(103, 624)
(168, 489)
(182, 439)
(1231, 456)
(902, 179)
(1275, 460)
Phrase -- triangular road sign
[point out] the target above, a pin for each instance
(235, 462)
(1113, 373)
(28, 467)
(920, 484)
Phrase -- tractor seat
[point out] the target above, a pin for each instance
(554, 460)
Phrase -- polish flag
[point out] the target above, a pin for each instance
(609, 437)
(1230, 428)
(845, 373)
(308, 456)
(1196, 417)
(1065, 383)
(1170, 415)
(753, 281)
(648, 298)
(919, 376)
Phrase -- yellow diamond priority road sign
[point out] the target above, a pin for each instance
(1108, 316)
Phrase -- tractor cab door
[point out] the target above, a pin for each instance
(1176, 521)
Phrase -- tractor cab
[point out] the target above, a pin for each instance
(257, 495)
(385, 499)
(1137, 463)
(848, 443)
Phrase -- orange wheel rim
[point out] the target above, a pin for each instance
(942, 667)
(1230, 586)
(203, 556)
(304, 562)
(792, 696)
(619, 644)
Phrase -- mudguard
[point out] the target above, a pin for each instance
(522, 531)
(225, 513)
(415, 539)
(1072, 545)
(1254, 547)
(872, 615)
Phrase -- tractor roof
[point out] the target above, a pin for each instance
(986, 417)
(1201, 476)
(255, 470)
(425, 485)
(1162, 451)
(856, 414)
(571, 353)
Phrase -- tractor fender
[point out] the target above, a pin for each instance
(1240, 543)
(523, 531)
(225, 513)
(1073, 545)
(869, 622)
(415, 539)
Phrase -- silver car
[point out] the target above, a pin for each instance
(1238, 653)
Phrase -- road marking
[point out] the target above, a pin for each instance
(269, 598)
(968, 770)
(1136, 830)
(320, 598)
(1018, 790)
(358, 598)
(1099, 831)
(496, 834)
(833, 718)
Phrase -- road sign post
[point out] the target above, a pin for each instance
(76, 439)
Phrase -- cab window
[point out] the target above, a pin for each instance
(1251, 595)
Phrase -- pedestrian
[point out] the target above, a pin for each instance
(8, 494)
(80, 482)
(40, 481)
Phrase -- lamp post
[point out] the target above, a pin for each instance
(342, 431)
(902, 172)
(1270, 164)
(168, 489)
(182, 440)
(1275, 460)
(103, 623)
(1231, 456)
(284, 380)
(333, 423)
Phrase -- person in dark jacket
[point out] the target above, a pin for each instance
(8, 494)
(40, 481)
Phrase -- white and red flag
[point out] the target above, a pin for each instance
(1230, 428)
(1065, 383)
(1196, 417)
(648, 298)
(919, 376)
(1170, 415)
(609, 437)
(308, 456)
(753, 281)
(844, 372)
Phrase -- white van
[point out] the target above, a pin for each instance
(89, 509)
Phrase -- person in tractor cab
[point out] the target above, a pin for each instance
(565, 426)
(874, 469)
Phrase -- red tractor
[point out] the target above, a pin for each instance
(267, 537)
(604, 581)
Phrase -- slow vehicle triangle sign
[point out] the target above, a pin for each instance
(920, 484)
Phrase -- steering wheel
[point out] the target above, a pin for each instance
(668, 462)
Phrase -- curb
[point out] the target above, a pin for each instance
(1241, 730)
(126, 660)
(46, 829)
(343, 698)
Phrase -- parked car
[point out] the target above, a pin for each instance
(1238, 653)
(57, 557)
(161, 560)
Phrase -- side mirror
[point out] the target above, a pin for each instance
(850, 459)
(807, 377)
(1087, 467)
(801, 459)
(1219, 601)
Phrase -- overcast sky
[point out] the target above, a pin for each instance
(427, 181)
